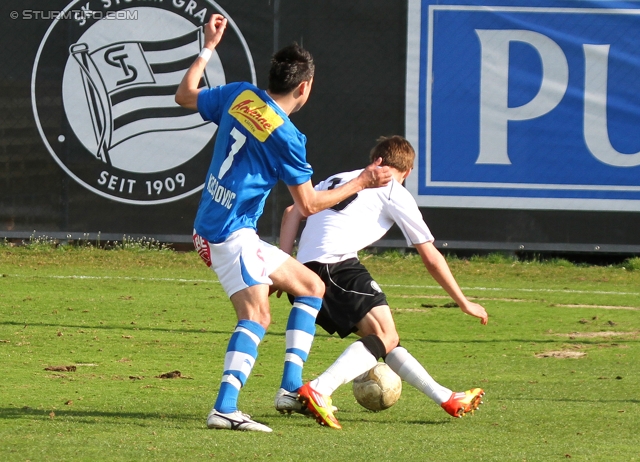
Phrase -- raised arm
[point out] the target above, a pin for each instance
(310, 201)
(291, 219)
(439, 270)
(187, 93)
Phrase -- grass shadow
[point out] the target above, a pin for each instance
(119, 328)
(10, 413)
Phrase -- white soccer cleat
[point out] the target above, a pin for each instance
(235, 421)
(287, 402)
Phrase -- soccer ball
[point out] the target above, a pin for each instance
(378, 389)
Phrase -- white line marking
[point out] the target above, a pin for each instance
(123, 278)
(602, 307)
(566, 291)
(399, 286)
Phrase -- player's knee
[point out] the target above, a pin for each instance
(316, 288)
(264, 320)
(259, 317)
(262, 316)
(390, 340)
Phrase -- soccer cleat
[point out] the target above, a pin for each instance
(235, 421)
(319, 405)
(287, 402)
(463, 402)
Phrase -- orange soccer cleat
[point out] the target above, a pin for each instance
(319, 405)
(463, 402)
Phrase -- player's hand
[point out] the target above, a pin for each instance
(213, 30)
(474, 309)
(375, 176)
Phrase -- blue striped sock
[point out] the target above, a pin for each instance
(242, 352)
(301, 328)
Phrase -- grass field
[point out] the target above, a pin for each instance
(558, 361)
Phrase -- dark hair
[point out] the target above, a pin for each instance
(395, 151)
(289, 67)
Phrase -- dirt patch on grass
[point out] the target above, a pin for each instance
(597, 334)
(563, 354)
(172, 375)
(521, 300)
(61, 368)
(602, 307)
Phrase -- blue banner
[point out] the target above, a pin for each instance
(528, 104)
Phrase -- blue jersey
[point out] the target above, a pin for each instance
(256, 146)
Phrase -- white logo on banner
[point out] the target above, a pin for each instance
(123, 136)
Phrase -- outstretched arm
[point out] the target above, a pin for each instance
(291, 219)
(439, 270)
(187, 93)
(310, 201)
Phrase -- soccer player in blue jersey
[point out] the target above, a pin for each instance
(256, 146)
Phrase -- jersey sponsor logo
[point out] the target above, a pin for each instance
(376, 287)
(255, 115)
(113, 125)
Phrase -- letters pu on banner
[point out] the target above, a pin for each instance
(527, 105)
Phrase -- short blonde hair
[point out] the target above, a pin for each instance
(395, 151)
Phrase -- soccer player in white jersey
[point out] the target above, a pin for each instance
(256, 146)
(353, 301)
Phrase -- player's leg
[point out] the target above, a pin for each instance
(353, 302)
(252, 309)
(379, 323)
(356, 359)
(307, 289)
(378, 335)
(403, 363)
(251, 305)
(411, 371)
(349, 295)
(239, 265)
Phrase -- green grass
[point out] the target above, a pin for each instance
(123, 317)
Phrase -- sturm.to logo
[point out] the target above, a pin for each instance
(103, 95)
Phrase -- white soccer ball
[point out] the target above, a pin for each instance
(378, 389)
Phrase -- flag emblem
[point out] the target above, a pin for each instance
(130, 86)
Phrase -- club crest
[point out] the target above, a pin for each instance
(103, 87)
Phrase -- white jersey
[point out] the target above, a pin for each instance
(338, 233)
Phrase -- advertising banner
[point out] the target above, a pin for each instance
(525, 105)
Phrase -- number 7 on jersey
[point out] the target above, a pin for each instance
(240, 139)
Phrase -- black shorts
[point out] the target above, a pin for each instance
(350, 294)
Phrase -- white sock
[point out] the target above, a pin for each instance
(353, 361)
(412, 372)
